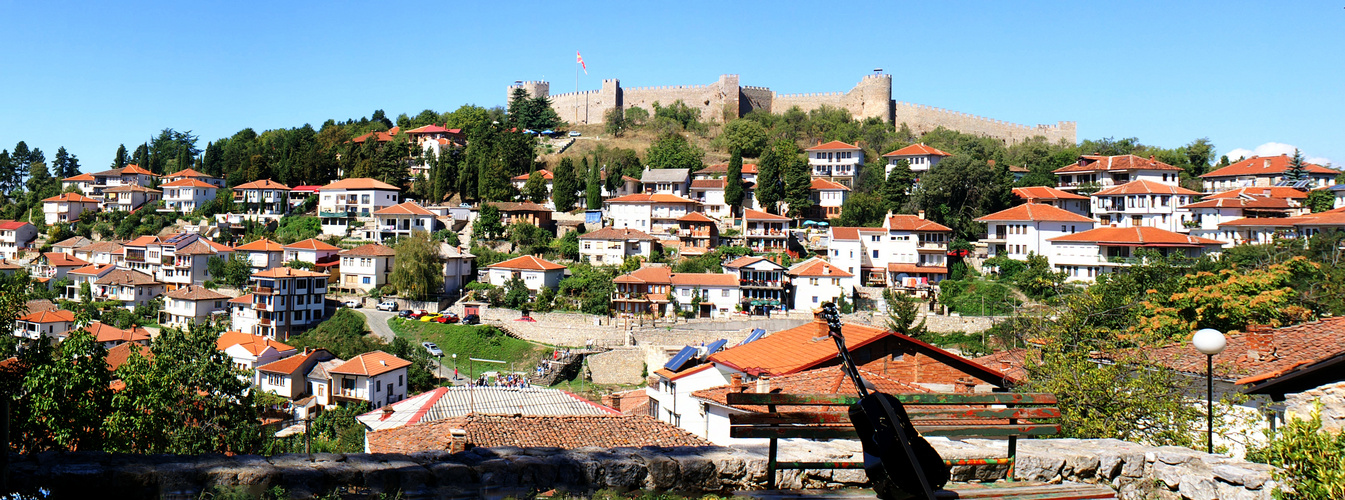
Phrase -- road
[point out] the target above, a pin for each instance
(378, 323)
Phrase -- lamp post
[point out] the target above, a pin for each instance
(455, 368)
(1209, 342)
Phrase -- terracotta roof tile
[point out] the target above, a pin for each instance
(57, 316)
(695, 217)
(1255, 202)
(70, 198)
(288, 272)
(918, 150)
(723, 168)
(1121, 163)
(194, 292)
(312, 244)
(913, 223)
(254, 344)
(79, 178)
(1035, 212)
(651, 198)
(852, 233)
(189, 182)
(795, 349)
(915, 269)
(560, 431)
(188, 173)
(750, 214)
(1136, 236)
(262, 184)
(1265, 165)
(833, 145)
(612, 233)
(1045, 193)
(94, 269)
(405, 208)
(527, 263)
(371, 363)
(73, 242)
(290, 364)
(645, 275)
(135, 169)
(369, 250)
(126, 277)
(142, 241)
(262, 245)
(131, 188)
(60, 259)
(546, 175)
(827, 380)
(704, 279)
(119, 354)
(103, 332)
(1261, 192)
(361, 183)
(103, 247)
(708, 184)
(823, 184)
(1145, 186)
(816, 267)
(1264, 351)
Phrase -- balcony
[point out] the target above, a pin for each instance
(760, 283)
(264, 290)
(324, 213)
(261, 306)
(264, 322)
(930, 246)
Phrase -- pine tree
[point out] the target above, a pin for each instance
(59, 164)
(1297, 170)
(7, 173)
(141, 156)
(733, 183)
(40, 180)
(119, 160)
(896, 190)
(565, 186)
(594, 188)
(798, 179)
(770, 185)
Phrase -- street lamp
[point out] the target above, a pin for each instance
(1209, 342)
(455, 368)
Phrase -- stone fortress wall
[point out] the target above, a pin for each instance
(727, 98)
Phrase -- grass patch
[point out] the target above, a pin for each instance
(589, 390)
(482, 341)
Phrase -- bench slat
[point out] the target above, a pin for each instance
(860, 465)
(916, 414)
(993, 398)
(848, 432)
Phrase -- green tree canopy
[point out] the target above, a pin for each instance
(747, 137)
(418, 269)
(734, 190)
(535, 188)
(564, 186)
(673, 150)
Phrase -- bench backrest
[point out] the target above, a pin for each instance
(951, 415)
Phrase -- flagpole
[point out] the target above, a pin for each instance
(576, 90)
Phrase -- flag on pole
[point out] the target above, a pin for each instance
(580, 59)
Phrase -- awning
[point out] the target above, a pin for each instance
(765, 303)
(914, 269)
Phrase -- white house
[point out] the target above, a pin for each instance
(828, 197)
(761, 282)
(1084, 255)
(345, 200)
(184, 259)
(100, 252)
(263, 197)
(263, 254)
(1209, 216)
(718, 293)
(312, 251)
(399, 221)
(41, 324)
(908, 251)
(1258, 171)
(242, 317)
(85, 183)
(816, 281)
(288, 300)
(836, 161)
(458, 268)
(610, 246)
(124, 176)
(1143, 203)
(66, 207)
(131, 288)
(673, 181)
(1078, 204)
(1022, 230)
(719, 170)
(765, 232)
(366, 267)
(671, 400)
(198, 176)
(55, 265)
(1102, 172)
(655, 214)
(86, 274)
(287, 377)
(376, 377)
(128, 197)
(922, 158)
(186, 195)
(548, 179)
(192, 304)
(710, 194)
(535, 273)
(320, 381)
(15, 236)
(249, 351)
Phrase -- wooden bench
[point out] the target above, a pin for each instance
(990, 415)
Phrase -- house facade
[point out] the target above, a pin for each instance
(192, 304)
(1084, 255)
(263, 197)
(14, 237)
(655, 214)
(1093, 172)
(288, 300)
(535, 272)
(836, 161)
(827, 197)
(366, 267)
(1143, 203)
(921, 158)
(344, 201)
(376, 377)
(186, 195)
(66, 207)
(610, 246)
(131, 288)
(399, 221)
(761, 283)
(765, 232)
(816, 282)
(1025, 229)
(1263, 171)
(129, 197)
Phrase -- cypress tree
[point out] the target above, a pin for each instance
(733, 183)
(798, 179)
(61, 164)
(565, 187)
(6, 173)
(535, 188)
(594, 200)
(896, 190)
(770, 186)
(119, 160)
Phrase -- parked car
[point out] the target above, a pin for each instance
(404, 313)
(449, 318)
(387, 306)
(427, 317)
(353, 304)
(441, 319)
(432, 349)
(575, 133)
(471, 319)
(417, 314)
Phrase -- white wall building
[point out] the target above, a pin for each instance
(908, 251)
(1022, 230)
(129, 197)
(1103, 172)
(263, 197)
(1084, 255)
(66, 207)
(536, 273)
(345, 200)
(192, 304)
(366, 267)
(816, 281)
(1257, 171)
(610, 246)
(399, 221)
(718, 292)
(288, 300)
(922, 158)
(836, 161)
(655, 214)
(15, 236)
(187, 195)
(376, 377)
(1143, 203)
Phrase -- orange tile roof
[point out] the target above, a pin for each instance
(142, 241)
(405, 208)
(80, 178)
(131, 188)
(312, 244)
(135, 169)
(1034, 212)
(291, 363)
(244, 299)
(1265, 165)
(288, 272)
(103, 332)
(816, 267)
(1045, 193)
(917, 150)
(1145, 186)
(429, 129)
(826, 380)
(1260, 222)
(794, 350)
(371, 364)
(852, 233)
(527, 263)
(1136, 236)
(704, 279)
(94, 269)
(262, 245)
(194, 292)
(254, 344)
(649, 274)
(546, 174)
(1090, 163)
(1263, 192)
(708, 184)
(823, 184)
(360, 183)
(915, 269)
(695, 217)
(612, 233)
(723, 168)
(119, 354)
(70, 198)
(901, 222)
(59, 315)
(1261, 353)
(102, 247)
(59, 259)
(369, 250)
(742, 262)
(188, 173)
(1256, 202)
(557, 431)
(126, 277)
(750, 214)
(262, 184)
(200, 247)
(833, 145)
(651, 198)
(189, 182)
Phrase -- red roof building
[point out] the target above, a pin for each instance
(1267, 171)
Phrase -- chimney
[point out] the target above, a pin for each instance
(1267, 163)
(736, 383)
(763, 384)
(826, 269)
(920, 214)
(387, 412)
(1259, 343)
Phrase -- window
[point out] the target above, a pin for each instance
(399, 380)
(366, 280)
(814, 299)
(724, 293)
(875, 254)
(812, 281)
(379, 386)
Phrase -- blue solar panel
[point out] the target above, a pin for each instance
(715, 346)
(755, 335)
(681, 359)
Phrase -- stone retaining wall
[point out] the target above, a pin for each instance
(618, 366)
(1135, 471)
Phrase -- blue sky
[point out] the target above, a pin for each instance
(92, 75)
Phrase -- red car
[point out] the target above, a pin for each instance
(448, 318)
(418, 314)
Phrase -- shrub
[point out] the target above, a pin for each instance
(1311, 461)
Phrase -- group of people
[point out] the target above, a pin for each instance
(511, 380)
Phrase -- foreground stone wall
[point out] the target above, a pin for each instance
(1135, 471)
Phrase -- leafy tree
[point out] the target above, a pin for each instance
(1227, 300)
(614, 122)
(593, 188)
(65, 164)
(1320, 201)
(903, 314)
(68, 395)
(344, 335)
(40, 181)
(744, 136)
(1297, 170)
(418, 269)
(517, 293)
(1199, 154)
(544, 302)
(962, 189)
(897, 188)
(564, 186)
(678, 116)
(568, 246)
(798, 178)
(734, 190)
(862, 210)
(588, 289)
(1307, 457)
(636, 116)
(487, 225)
(233, 271)
(535, 188)
(770, 177)
(297, 228)
(1038, 279)
(673, 150)
(529, 238)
